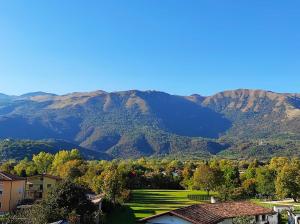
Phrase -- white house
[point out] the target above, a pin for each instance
(218, 213)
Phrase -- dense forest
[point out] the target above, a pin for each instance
(206, 149)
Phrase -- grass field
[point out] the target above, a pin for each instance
(150, 202)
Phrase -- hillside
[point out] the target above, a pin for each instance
(257, 113)
(143, 123)
(18, 149)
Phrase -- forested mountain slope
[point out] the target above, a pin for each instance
(142, 123)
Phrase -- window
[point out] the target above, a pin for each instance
(49, 185)
(1, 192)
(263, 218)
(257, 218)
(0, 205)
(30, 185)
(41, 187)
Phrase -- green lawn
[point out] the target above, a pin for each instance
(150, 202)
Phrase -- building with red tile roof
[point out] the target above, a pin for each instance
(217, 213)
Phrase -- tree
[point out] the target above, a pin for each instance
(231, 176)
(249, 187)
(206, 178)
(187, 175)
(25, 168)
(277, 163)
(230, 186)
(70, 169)
(265, 181)
(43, 162)
(7, 166)
(112, 183)
(66, 200)
(37, 214)
(288, 182)
(62, 157)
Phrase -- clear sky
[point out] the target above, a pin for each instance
(178, 46)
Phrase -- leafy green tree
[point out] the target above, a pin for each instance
(206, 178)
(25, 168)
(62, 157)
(265, 181)
(68, 198)
(231, 176)
(7, 166)
(65, 201)
(230, 187)
(20, 168)
(249, 187)
(187, 175)
(43, 162)
(112, 183)
(71, 169)
(288, 182)
(277, 163)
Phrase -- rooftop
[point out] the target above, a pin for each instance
(9, 177)
(215, 213)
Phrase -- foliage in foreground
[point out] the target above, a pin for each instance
(66, 201)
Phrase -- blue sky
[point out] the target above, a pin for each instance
(181, 47)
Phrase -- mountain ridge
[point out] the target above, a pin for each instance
(142, 123)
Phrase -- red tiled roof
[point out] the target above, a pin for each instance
(215, 213)
(9, 177)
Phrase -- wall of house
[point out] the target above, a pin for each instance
(47, 185)
(12, 193)
(168, 219)
(33, 190)
(17, 193)
(226, 221)
(4, 198)
(273, 219)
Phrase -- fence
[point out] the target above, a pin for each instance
(198, 197)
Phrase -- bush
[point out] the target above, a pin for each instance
(125, 195)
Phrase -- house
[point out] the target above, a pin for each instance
(38, 186)
(218, 213)
(12, 191)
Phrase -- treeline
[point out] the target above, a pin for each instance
(233, 180)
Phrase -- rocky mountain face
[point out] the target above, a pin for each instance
(142, 123)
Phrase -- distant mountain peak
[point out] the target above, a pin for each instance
(38, 93)
(2, 95)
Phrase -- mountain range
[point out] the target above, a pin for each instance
(150, 123)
